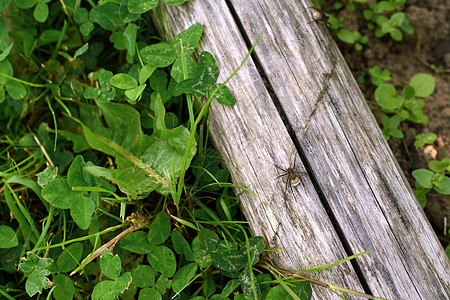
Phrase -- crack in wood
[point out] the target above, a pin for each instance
(326, 85)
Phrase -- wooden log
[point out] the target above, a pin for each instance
(297, 101)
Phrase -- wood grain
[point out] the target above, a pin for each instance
(297, 100)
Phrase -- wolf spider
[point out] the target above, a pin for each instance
(292, 176)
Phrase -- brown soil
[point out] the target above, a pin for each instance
(429, 45)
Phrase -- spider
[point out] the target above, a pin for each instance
(320, 17)
(292, 176)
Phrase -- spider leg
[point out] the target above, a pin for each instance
(280, 175)
(279, 168)
(300, 173)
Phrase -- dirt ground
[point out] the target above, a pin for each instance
(430, 44)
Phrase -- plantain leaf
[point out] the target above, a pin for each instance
(144, 162)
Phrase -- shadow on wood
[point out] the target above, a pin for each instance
(297, 95)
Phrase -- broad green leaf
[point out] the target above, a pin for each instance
(230, 287)
(59, 194)
(209, 240)
(15, 89)
(386, 97)
(124, 14)
(396, 35)
(247, 286)
(226, 246)
(264, 280)
(408, 92)
(145, 73)
(76, 176)
(181, 246)
(107, 16)
(145, 161)
(81, 15)
(47, 175)
(118, 40)
(141, 6)
(231, 260)
(36, 269)
(346, 36)
(423, 84)
(397, 19)
(95, 198)
(8, 238)
(24, 4)
(379, 76)
(224, 95)
(41, 12)
(159, 230)
(149, 294)
(122, 139)
(186, 41)
(37, 281)
(183, 276)
(86, 28)
(123, 81)
(92, 93)
(202, 247)
(158, 55)
(424, 139)
(192, 86)
(110, 264)
(2, 94)
(180, 73)
(207, 71)
(162, 260)
(168, 152)
(143, 276)
(69, 258)
(301, 289)
(122, 282)
(256, 244)
(106, 95)
(129, 180)
(437, 166)
(171, 120)
(130, 37)
(158, 82)
(6, 52)
(134, 93)
(32, 262)
(81, 212)
(5, 68)
(423, 177)
(162, 284)
(444, 187)
(104, 290)
(64, 288)
(136, 242)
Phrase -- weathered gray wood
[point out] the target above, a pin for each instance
(363, 194)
